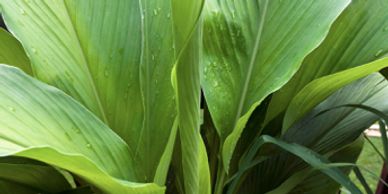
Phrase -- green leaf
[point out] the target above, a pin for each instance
(40, 177)
(57, 130)
(12, 53)
(80, 190)
(251, 49)
(383, 132)
(325, 133)
(8, 187)
(115, 57)
(346, 123)
(310, 157)
(186, 79)
(318, 183)
(319, 89)
(349, 43)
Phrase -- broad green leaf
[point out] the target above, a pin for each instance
(251, 49)
(59, 131)
(357, 37)
(319, 89)
(329, 126)
(9, 187)
(12, 53)
(307, 155)
(115, 57)
(186, 79)
(325, 134)
(292, 181)
(37, 176)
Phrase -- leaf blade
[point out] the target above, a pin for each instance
(240, 68)
(57, 130)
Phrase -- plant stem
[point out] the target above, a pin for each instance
(221, 175)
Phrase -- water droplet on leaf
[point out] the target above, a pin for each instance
(121, 51)
(75, 129)
(11, 109)
(215, 84)
(22, 12)
(68, 136)
(106, 71)
(378, 53)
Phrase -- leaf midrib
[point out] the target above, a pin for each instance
(251, 64)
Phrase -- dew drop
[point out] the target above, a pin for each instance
(378, 53)
(33, 50)
(155, 12)
(121, 51)
(22, 12)
(11, 109)
(168, 15)
(106, 71)
(153, 57)
(385, 29)
(205, 70)
(76, 129)
(238, 33)
(215, 12)
(88, 145)
(68, 136)
(215, 84)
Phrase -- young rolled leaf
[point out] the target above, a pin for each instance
(251, 49)
(57, 130)
(186, 78)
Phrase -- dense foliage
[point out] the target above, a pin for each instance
(189, 96)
